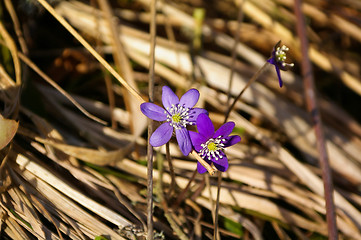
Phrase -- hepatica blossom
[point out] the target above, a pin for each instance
(211, 144)
(177, 114)
(278, 60)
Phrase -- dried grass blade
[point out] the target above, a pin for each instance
(77, 196)
(96, 157)
(13, 229)
(58, 204)
(233, 197)
(25, 208)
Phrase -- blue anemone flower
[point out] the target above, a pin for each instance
(278, 60)
(211, 144)
(177, 114)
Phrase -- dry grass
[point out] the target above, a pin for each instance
(76, 167)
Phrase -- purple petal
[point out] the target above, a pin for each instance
(205, 126)
(197, 139)
(184, 141)
(224, 130)
(231, 140)
(272, 60)
(194, 113)
(153, 111)
(169, 97)
(190, 98)
(161, 135)
(200, 167)
(279, 75)
(221, 164)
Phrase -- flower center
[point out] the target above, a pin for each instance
(281, 53)
(280, 56)
(213, 148)
(178, 116)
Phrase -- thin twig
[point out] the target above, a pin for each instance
(153, 34)
(312, 107)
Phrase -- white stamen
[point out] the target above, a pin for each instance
(178, 116)
(215, 154)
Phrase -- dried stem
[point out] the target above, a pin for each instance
(204, 163)
(150, 126)
(312, 107)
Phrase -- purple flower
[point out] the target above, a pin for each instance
(278, 60)
(211, 145)
(177, 114)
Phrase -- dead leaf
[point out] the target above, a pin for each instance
(8, 128)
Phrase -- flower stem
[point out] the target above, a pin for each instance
(211, 170)
(309, 88)
(171, 171)
(181, 196)
(216, 232)
(254, 77)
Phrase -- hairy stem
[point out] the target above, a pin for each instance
(254, 77)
